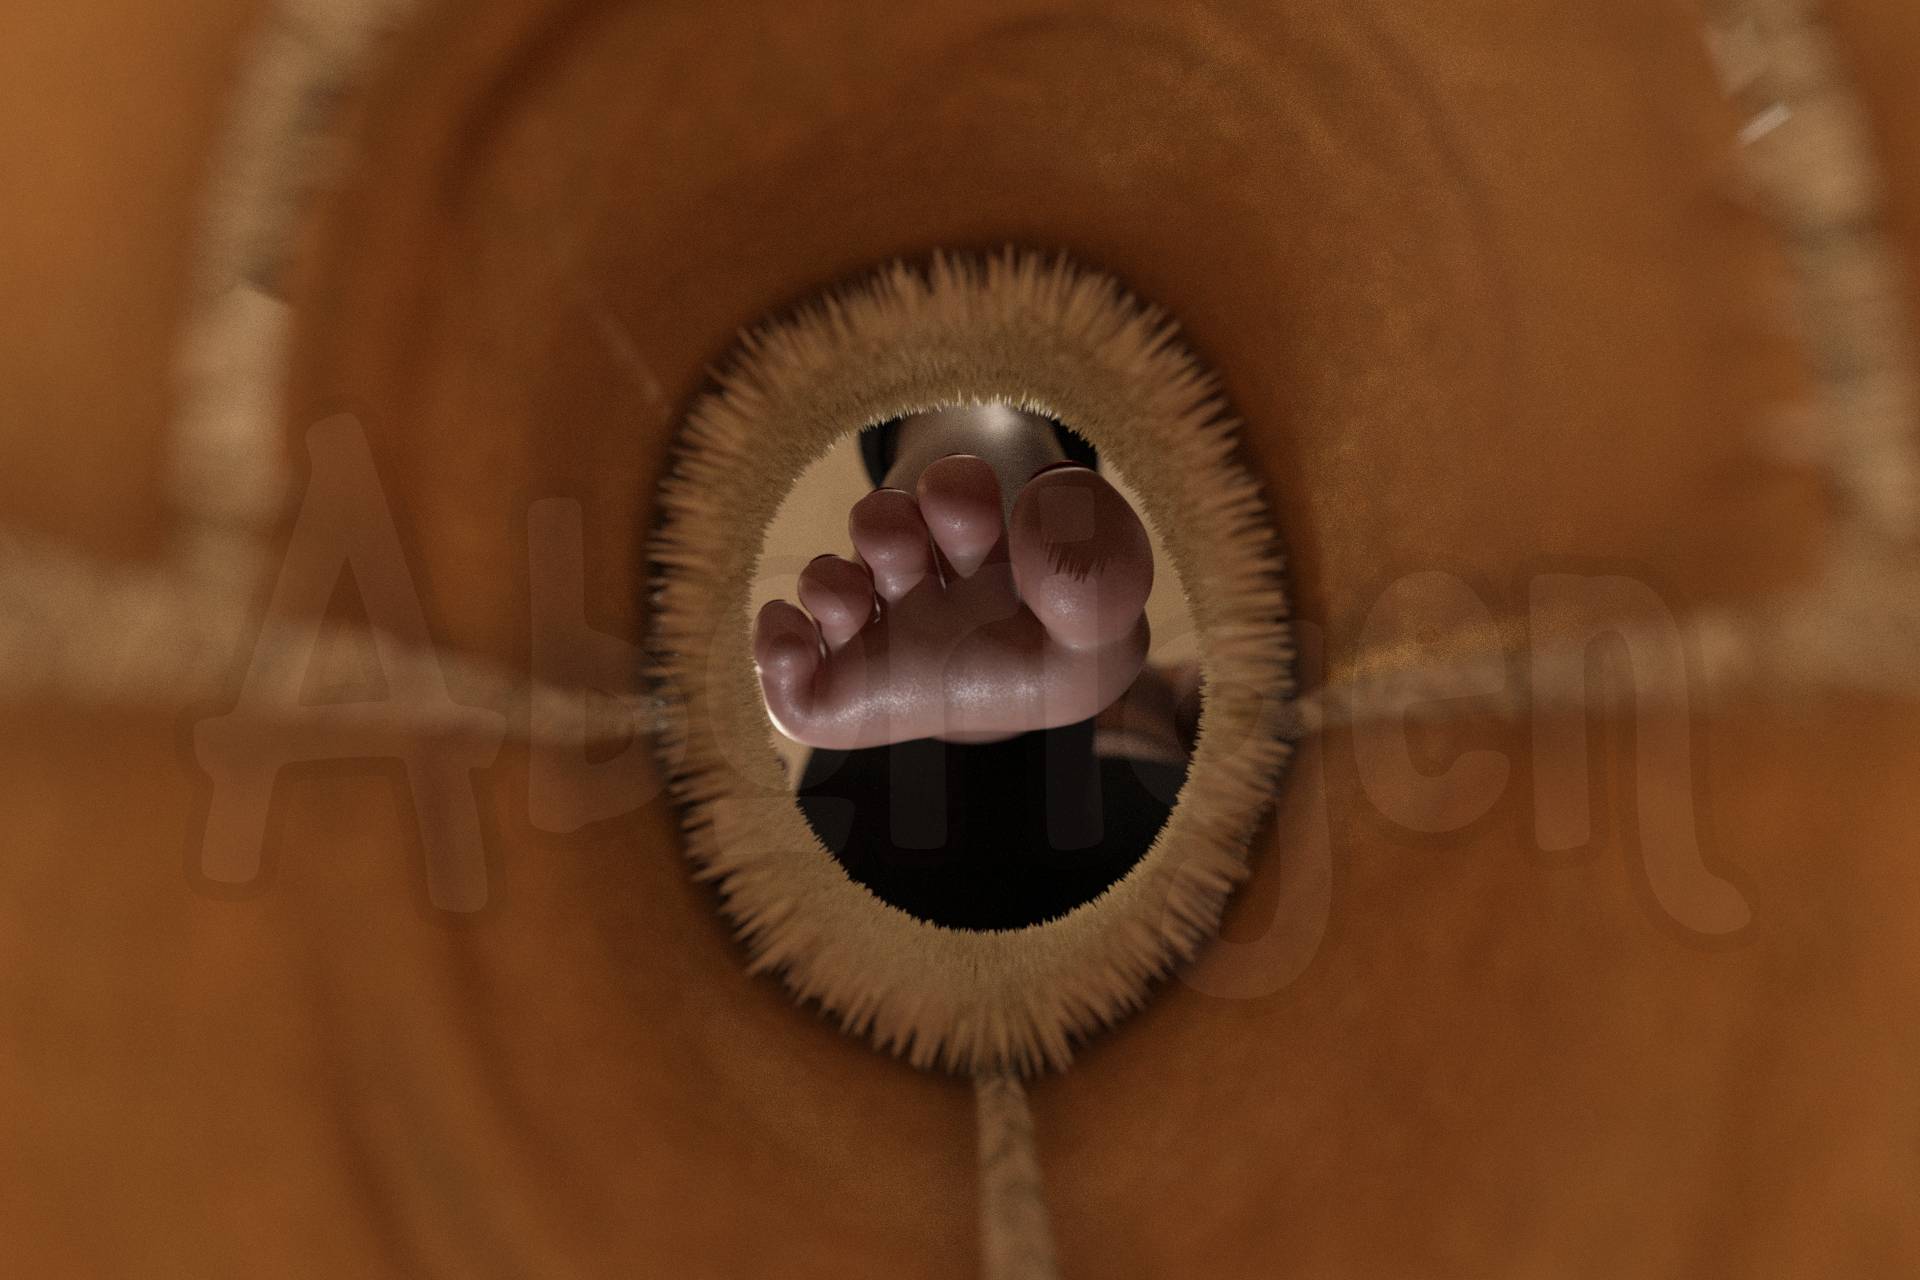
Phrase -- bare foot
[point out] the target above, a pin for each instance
(954, 623)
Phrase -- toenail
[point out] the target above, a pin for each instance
(1059, 466)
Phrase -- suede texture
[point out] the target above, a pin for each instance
(1477, 276)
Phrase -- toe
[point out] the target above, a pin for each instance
(1080, 557)
(839, 594)
(960, 502)
(786, 652)
(891, 538)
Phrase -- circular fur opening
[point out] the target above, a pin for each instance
(1057, 340)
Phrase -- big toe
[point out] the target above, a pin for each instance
(1080, 557)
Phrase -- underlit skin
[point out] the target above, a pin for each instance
(956, 621)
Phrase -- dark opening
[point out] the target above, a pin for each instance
(997, 836)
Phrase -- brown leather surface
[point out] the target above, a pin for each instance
(1400, 274)
(107, 114)
(1474, 275)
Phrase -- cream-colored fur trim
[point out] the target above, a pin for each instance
(1047, 336)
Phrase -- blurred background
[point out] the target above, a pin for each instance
(1506, 291)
